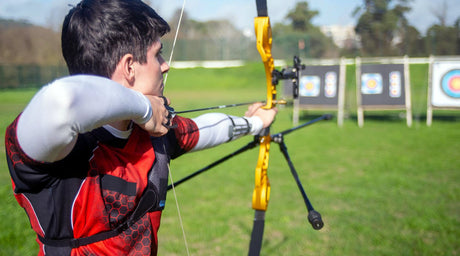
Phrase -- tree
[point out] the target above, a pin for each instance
(209, 40)
(441, 13)
(442, 39)
(301, 17)
(457, 28)
(378, 25)
(300, 37)
(23, 43)
(412, 42)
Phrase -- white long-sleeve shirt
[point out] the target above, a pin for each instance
(49, 126)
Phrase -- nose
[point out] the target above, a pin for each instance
(163, 65)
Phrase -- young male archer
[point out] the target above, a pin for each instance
(89, 155)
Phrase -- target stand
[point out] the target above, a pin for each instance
(383, 86)
(443, 85)
(321, 87)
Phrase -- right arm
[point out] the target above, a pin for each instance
(49, 126)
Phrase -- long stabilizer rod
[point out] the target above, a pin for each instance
(250, 145)
(323, 117)
(313, 216)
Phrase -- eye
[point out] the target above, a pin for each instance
(160, 51)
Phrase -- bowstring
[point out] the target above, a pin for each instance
(178, 212)
(175, 38)
(169, 170)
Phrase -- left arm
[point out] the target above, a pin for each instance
(212, 129)
(218, 128)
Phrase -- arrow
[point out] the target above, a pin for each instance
(282, 102)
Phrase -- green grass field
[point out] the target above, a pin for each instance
(384, 189)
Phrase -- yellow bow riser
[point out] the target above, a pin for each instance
(261, 194)
(264, 46)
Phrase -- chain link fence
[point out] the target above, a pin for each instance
(26, 76)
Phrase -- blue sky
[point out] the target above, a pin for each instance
(240, 12)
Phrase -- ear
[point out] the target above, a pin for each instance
(124, 72)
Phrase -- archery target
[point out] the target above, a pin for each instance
(371, 83)
(309, 86)
(446, 84)
(383, 85)
(330, 85)
(318, 86)
(395, 84)
(450, 83)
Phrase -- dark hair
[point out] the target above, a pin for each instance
(96, 34)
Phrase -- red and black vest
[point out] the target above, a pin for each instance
(89, 202)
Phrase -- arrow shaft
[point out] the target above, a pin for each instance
(225, 106)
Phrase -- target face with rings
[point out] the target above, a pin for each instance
(445, 84)
(309, 86)
(330, 85)
(450, 83)
(371, 83)
(395, 84)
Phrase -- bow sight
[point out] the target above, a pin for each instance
(290, 73)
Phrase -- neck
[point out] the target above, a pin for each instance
(121, 125)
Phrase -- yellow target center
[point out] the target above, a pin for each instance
(371, 83)
(455, 84)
